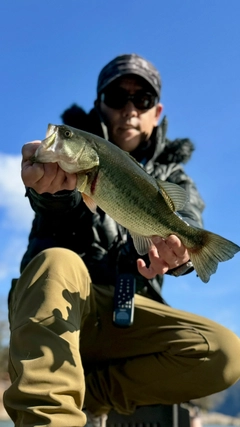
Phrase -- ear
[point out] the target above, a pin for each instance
(158, 111)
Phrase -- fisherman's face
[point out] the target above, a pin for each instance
(128, 126)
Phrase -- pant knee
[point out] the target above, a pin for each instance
(60, 264)
(229, 355)
(61, 259)
(56, 279)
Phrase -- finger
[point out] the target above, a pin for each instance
(162, 251)
(171, 250)
(29, 149)
(157, 262)
(32, 174)
(147, 272)
(174, 243)
(55, 179)
(39, 176)
(59, 180)
(157, 265)
(47, 182)
(71, 181)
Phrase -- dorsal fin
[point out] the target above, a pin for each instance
(174, 195)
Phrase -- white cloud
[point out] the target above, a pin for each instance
(15, 219)
(12, 250)
(15, 210)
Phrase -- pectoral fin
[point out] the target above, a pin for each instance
(90, 203)
(142, 244)
(82, 180)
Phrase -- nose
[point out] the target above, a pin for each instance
(129, 110)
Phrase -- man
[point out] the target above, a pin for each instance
(61, 317)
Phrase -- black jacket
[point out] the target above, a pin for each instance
(63, 219)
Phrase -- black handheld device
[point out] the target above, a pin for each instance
(124, 300)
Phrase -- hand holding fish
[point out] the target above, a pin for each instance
(164, 255)
(110, 178)
(44, 177)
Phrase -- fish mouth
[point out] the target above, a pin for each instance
(48, 142)
(45, 151)
(50, 130)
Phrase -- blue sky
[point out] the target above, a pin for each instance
(51, 54)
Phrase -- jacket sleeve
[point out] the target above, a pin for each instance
(53, 204)
(54, 223)
(63, 220)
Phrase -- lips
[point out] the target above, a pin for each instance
(127, 127)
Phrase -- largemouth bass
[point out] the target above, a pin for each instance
(110, 178)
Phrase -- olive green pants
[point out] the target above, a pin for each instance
(61, 324)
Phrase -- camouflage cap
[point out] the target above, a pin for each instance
(129, 64)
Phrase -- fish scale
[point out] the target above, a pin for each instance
(110, 178)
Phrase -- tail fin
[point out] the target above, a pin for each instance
(215, 250)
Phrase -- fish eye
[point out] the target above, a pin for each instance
(68, 133)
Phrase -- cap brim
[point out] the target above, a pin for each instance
(128, 72)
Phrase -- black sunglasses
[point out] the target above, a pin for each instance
(117, 98)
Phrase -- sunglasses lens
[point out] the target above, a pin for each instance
(116, 98)
(144, 100)
(119, 97)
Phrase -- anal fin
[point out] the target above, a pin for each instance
(142, 244)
